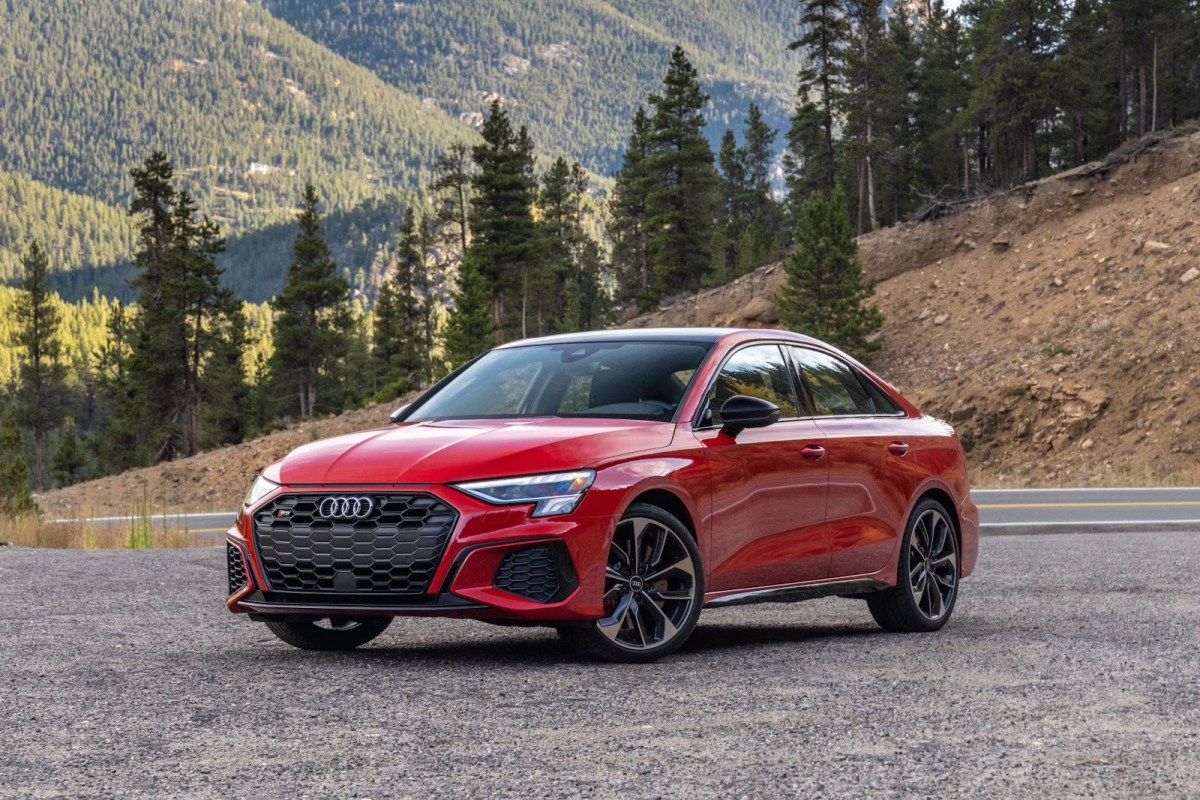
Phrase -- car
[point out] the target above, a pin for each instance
(611, 485)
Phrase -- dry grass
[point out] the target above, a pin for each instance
(141, 532)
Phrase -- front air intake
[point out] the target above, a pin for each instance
(236, 566)
(541, 573)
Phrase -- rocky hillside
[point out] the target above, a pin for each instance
(1054, 325)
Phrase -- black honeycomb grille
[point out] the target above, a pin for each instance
(393, 548)
(236, 567)
(531, 572)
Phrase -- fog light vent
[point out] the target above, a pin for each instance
(532, 572)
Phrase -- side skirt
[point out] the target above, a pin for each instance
(794, 594)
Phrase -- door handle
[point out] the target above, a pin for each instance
(899, 449)
(812, 452)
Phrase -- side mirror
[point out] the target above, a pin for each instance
(394, 417)
(742, 411)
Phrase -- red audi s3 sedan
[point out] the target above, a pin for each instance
(611, 485)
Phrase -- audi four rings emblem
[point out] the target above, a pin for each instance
(345, 507)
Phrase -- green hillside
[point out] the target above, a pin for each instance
(247, 107)
(75, 231)
(573, 70)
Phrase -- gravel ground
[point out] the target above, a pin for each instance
(1069, 669)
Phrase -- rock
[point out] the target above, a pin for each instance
(760, 309)
(941, 319)
(1056, 281)
(925, 314)
(1087, 444)
(1001, 245)
(1189, 276)
(1156, 247)
(1102, 325)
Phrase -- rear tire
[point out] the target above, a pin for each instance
(653, 591)
(330, 633)
(926, 576)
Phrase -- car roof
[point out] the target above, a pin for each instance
(704, 335)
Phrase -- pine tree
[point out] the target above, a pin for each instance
(69, 462)
(763, 236)
(469, 329)
(313, 324)
(629, 217)
(179, 298)
(14, 473)
(733, 213)
(399, 351)
(452, 185)
(1016, 83)
(569, 284)
(942, 149)
(810, 139)
(1092, 92)
(824, 294)
(682, 199)
(117, 445)
(226, 389)
(42, 390)
(504, 242)
(864, 71)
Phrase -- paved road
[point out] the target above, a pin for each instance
(1007, 510)
(1069, 669)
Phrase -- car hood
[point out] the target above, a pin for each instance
(461, 450)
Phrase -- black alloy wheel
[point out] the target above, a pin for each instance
(927, 574)
(329, 633)
(653, 590)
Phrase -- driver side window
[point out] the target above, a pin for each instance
(757, 371)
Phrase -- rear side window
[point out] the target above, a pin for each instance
(838, 389)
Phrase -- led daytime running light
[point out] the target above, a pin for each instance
(557, 493)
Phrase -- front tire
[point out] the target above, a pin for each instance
(653, 591)
(329, 633)
(927, 575)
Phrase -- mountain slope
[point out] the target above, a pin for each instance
(247, 107)
(573, 70)
(75, 231)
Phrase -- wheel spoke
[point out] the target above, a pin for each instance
(919, 532)
(937, 603)
(946, 580)
(668, 629)
(635, 551)
(635, 611)
(612, 575)
(611, 625)
(944, 561)
(683, 565)
(918, 587)
(656, 554)
(938, 531)
(620, 553)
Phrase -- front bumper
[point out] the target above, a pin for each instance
(498, 564)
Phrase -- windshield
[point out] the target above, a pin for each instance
(628, 380)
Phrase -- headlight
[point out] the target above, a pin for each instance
(553, 494)
(260, 489)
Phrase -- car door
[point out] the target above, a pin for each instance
(768, 484)
(869, 480)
